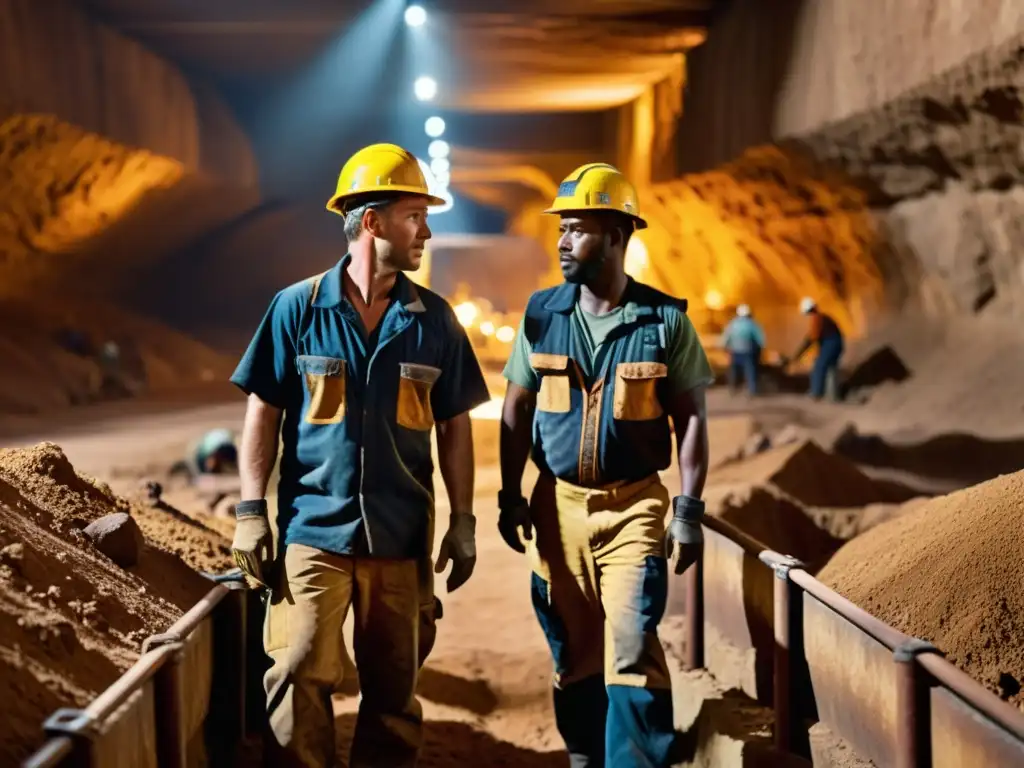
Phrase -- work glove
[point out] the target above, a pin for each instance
(459, 546)
(514, 513)
(253, 545)
(685, 530)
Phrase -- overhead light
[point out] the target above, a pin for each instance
(415, 15)
(438, 148)
(434, 126)
(440, 165)
(443, 178)
(425, 88)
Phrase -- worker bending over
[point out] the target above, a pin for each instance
(743, 338)
(362, 364)
(600, 365)
(825, 333)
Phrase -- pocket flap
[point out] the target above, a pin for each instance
(428, 374)
(633, 371)
(541, 361)
(315, 365)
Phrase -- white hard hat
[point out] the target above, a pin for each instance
(807, 304)
(743, 310)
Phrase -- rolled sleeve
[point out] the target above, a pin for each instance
(518, 369)
(267, 366)
(461, 386)
(688, 365)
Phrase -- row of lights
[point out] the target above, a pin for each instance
(425, 89)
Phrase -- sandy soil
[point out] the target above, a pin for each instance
(485, 688)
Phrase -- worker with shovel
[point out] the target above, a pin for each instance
(825, 334)
(362, 365)
(600, 366)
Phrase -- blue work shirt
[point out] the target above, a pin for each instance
(356, 467)
(743, 335)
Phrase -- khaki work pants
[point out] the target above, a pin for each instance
(599, 589)
(303, 637)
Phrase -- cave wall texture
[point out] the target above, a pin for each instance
(111, 162)
(915, 104)
(109, 156)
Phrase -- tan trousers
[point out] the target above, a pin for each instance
(599, 588)
(303, 637)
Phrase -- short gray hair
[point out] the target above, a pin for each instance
(354, 217)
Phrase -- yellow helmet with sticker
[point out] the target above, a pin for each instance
(598, 187)
(380, 168)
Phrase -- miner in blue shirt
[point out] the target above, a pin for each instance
(355, 368)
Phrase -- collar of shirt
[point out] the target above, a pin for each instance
(332, 294)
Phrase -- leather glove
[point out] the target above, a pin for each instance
(685, 530)
(253, 545)
(514, 513)
(459, 546)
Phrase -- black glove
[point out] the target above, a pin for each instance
(253, 545)
(514, 513)
(685, 530)
(459, 546)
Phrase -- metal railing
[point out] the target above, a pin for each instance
(815, 656)
(892, 697)
(188, 680)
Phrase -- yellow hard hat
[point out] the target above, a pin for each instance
(597, 187)
(383, 168)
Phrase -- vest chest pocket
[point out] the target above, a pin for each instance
(324, 378)
(636, 396)
(414, 386)
(554, 395)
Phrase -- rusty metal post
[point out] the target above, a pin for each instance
(169, 702)
(913, 712)
(788, 620)
(80, 728)
(694, 580)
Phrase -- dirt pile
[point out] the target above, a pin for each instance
(972, 543)
(883, 365)
(810, 474)
(53, 358)
(801, 500)
(778, 522)
(71, 621)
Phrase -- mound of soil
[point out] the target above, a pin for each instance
(808, 473)
(65, 498)
(71, 620)
(972, 544)
(776, 521)
(881, 366)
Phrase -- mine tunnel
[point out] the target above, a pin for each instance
(821, 168)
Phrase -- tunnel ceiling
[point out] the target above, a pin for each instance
(518, 55)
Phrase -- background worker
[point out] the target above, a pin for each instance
(361, 364)
(825, 333)
(599, 366)
(743, 338)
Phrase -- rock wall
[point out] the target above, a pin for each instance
(765, 229)
(919, 102)
(109, 158)
(55, 60)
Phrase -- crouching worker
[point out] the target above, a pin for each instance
(361, 365)
(600, 365)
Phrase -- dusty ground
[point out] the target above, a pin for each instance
(485, 687)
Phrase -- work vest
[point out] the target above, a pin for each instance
(608, 425)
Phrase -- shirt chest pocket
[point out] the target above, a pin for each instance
(324, 380)
(636, 393)
(414, 387)
(554, 395)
